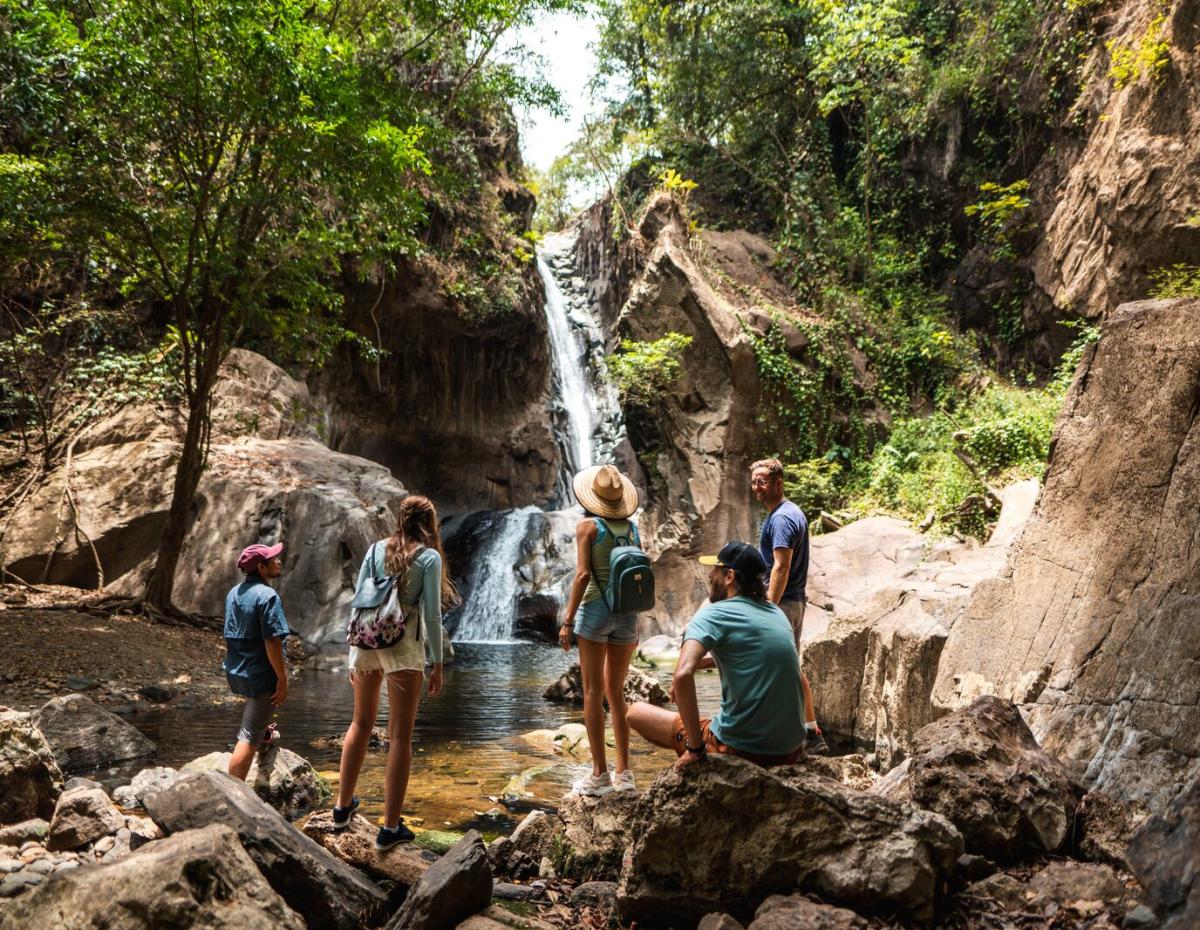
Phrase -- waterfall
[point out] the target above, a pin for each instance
(571, 379)
(586, 418)
(488, 610)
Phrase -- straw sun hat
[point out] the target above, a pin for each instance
(604, 491)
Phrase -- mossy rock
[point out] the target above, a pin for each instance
(438, 841)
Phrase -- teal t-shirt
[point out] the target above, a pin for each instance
(762, 704)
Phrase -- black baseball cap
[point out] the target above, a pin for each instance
(741, 557)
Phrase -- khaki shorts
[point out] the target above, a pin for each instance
(794, 611)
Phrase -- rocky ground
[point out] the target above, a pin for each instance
(979, 829)
(121, 662)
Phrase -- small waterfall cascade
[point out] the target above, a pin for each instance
(586, 416)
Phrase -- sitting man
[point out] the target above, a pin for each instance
(750, 642)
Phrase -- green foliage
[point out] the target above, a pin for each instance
(1000, 209)
(813, 483)
(1180, 280)
(642, 371)
(1148, 56)
(674, 183)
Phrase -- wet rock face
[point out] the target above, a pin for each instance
(780, 831)
(84, 736)
(29, 773)
(203, 874)
(982, 770)
(1091, 627)
(1165, 857)
(470, 394)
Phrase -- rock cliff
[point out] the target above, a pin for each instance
(1125, 194)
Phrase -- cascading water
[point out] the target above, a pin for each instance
(582, 405)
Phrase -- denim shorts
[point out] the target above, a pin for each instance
(595, 623)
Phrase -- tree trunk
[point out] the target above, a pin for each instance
(160, 587)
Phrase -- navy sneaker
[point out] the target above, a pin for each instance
(393, 836)
(816, 745)
(343, 815)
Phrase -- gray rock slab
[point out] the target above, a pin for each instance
(311, 880)
(84, 736)
(451, 890)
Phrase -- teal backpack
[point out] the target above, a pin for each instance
(630, 588)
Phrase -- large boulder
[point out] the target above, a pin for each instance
(201, 878)
(983, 771)
(1091, 627)
(83, 816)
(315, 883)
(724, 835)
(268, 478)
(1165, 857)
(456, 886)
(882, 602)
(639, 686)
(84, 736)
(31, 777)
(283, 779)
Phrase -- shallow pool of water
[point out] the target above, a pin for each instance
(467, 744)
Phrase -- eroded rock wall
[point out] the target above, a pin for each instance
(695, 447)
(1121, 198)
(1095, 625)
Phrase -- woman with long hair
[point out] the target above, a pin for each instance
(413, 556)
(606, 640)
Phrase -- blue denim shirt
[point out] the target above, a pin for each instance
(253, 614)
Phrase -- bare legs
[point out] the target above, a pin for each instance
(655, 724)
(239, 762)
(603, 667)
(404, 696)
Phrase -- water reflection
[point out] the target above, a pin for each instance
(467, 744)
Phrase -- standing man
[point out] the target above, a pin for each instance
(784, 548)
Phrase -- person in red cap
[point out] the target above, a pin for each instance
(255, 629)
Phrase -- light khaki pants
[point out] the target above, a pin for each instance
(794, 611)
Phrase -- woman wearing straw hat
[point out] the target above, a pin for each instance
(606, 640)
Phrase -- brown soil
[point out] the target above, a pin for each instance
(43, 647)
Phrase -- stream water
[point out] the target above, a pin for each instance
(468, 745)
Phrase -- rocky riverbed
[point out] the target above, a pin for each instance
(980, 828)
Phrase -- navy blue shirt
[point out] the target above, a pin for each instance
(787, 528)
(253, 614)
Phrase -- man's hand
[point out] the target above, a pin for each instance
(688, 758)
(280, 695)
(435, 680)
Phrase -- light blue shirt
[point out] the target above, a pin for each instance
(423, 583)
(762, 704)
(253, 614)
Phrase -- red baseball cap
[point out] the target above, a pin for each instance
(253, 556)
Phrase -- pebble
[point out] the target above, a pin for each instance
(103, 845)
(10, 865)
(80, 683)
(507, 891)
(65, 866)
(17, 882)
(1138, 917)
(43, 866)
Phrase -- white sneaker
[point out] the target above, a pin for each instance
(593, 786)
(623, 781)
